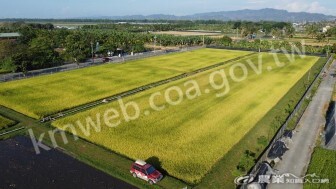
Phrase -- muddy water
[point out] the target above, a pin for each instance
(20, 168)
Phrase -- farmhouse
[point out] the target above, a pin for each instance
(325, 29)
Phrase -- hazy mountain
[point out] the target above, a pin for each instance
(250, 15)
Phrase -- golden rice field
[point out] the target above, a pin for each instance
(45, 95)
(189, 138)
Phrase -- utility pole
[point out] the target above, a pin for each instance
(259, 45)
(92, 52)
(154, 43)
(203, 41)
(328, 47)
(237, 33)
(308, 78)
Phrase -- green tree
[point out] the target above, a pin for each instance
(290, 31)
(276, 33)
(7, 65)
(246, 161)
(248, 28)
(226, 41)
(43, 54)
(333, 48)
(7, 48)
(331, 32)
(22, 59)
(321, 37)
(77, 46)
(312, 30)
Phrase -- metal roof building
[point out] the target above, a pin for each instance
(9, 35)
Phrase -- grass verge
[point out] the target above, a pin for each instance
(5, 123)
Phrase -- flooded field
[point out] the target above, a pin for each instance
(20, 167)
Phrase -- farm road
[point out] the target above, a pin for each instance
(296, 160)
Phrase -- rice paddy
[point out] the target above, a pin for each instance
(45, 95)
(202, 125)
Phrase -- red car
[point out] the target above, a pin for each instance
(145, 171)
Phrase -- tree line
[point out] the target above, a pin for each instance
(43, 46)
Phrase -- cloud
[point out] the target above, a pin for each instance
(256, 1)
(301, 6)
(317, 8)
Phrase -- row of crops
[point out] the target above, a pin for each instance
(323, 166)
(190, 137)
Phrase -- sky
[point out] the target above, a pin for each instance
(93, 8)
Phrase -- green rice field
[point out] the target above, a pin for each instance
(323, 165)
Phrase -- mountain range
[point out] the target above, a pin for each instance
(267, 14)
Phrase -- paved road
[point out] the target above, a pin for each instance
(297, 159)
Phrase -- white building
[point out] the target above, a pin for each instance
(325, 29)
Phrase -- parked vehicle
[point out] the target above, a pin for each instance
(141, 169)
(106, 59)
